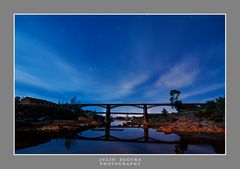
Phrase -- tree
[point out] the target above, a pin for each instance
(178, 105)
(174, 95)
(174, 99)
(73, 100)
(17, 99)
(220, 103)
(213, 110)
(164, 112)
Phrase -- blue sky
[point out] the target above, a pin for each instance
(119, 58)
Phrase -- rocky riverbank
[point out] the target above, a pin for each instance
(58, 126)
(192, 125)
(28, 134)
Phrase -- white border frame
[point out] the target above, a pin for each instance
(225, 15)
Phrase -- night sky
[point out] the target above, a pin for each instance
(120, 58)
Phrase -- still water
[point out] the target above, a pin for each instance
(158, 143)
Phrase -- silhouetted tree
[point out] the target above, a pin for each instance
(74, 106)
(69, 143)
(178, 105)
(174, 99)
(213, 110)
(174, 95)
(164, 112)
(220, 103)
(17, 99)
(73, 100)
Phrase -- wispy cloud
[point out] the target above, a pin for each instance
(202, 90)
(122, 88)
(71, 78)
(115, 68)
(131, 83)
(27, 78)
(46, 69)
(180, 75)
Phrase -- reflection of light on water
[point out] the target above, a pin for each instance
(92, 133)
(201, 149)
(130, 133)
(162, 136)
(118, 122)
(78, 146)
(75, 146)
(60, 146)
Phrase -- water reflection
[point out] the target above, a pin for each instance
(107, 131)
(118, 123)
(69, 143)
(133, 134)
(146, 136)
(128, 140)
(181, 146)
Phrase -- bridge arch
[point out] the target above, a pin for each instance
(127, 105)
(91, 105)
(159, 108)
(127, 109)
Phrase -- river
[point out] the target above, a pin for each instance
(128, 140)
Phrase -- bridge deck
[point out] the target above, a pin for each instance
(143, 106)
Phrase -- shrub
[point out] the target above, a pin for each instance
(213, 110)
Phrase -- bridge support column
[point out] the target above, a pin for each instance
(108, 114)
(107, 122)
(145, 115)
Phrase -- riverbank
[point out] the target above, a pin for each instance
(57, 126)
(192, 125)
(27, 135)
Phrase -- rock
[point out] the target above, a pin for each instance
(94, 123)
(191, 125)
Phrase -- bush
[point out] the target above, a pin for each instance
(59, 112)
(165, 112)
(213, 110)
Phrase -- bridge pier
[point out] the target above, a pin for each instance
(108, 114)
(107, 122)
(145, 115)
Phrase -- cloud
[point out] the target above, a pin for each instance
(123, 88)
(180, 75)
(203, 90)
(24, 93)
(131, 83)
(28, 78)
(41, 66)
(51, 79)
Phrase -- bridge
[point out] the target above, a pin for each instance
(143, 106)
